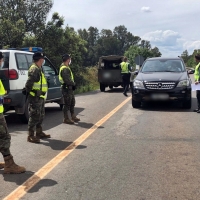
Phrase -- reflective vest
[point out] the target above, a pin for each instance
(40, 85)
(2, 93)
(124, 67)
(196, 73)
(60, 77)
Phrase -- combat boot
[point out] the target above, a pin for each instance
(2, 165)
(33, 139)
(40, 134)
(68, 121)
(74, 118)
(10, 166)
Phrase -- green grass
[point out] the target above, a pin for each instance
(90, 79)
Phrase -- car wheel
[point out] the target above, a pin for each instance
(187, 104)
(102, 87)
(61, 106)
(136, 104)
(25, 117)
(111, 87)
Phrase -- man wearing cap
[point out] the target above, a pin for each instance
(36, 87)
(68, 86)
(9, 166)
(197, 81)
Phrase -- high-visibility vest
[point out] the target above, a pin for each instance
(40, 85)
(124, 67)
(2, 93)
(60, 77)
(196, 73)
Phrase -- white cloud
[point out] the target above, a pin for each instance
(190, 46)
(164, 38)
(145, 9)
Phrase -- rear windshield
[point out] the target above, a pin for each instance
(6, 60)
(111, 64)
(168, 65)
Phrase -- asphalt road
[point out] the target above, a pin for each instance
(152, 153)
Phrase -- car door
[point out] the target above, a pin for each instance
(51, 74)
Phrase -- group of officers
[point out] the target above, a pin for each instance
(36, 89)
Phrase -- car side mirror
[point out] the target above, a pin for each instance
(136, 72)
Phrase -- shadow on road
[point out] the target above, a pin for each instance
(168, 106)
(53, 117)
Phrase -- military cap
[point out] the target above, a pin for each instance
(197, 56)
(38, 55)
(66, 56)
(1, 55)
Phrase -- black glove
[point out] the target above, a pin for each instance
(24, 92)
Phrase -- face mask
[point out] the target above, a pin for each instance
(70, 62)
(43, 63)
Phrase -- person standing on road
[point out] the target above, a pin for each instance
(9, 166)
(68, 86)
(197, 81)
(36, 87)
(125, 71)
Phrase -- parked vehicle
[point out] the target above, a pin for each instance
(14, 75)
(109, 72)
(162, 79)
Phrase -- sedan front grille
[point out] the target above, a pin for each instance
(159, 85)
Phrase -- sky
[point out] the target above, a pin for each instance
(171, 25)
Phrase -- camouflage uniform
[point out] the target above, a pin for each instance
(36, 104)
(68, 92)
(4, 137)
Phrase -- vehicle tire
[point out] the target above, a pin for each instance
(102, 87)
(136, 104)
(111, 87)
(25, 117)
(61, 106)
(187, 104)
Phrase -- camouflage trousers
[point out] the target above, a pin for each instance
(36, 114)
(69, 100)
(4, 137)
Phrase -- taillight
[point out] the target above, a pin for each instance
(11, 74)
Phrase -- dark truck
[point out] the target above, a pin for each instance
(109, 71)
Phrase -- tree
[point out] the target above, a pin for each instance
(185, 56)
(18, 17)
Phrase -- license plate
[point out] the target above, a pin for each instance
(160, 96)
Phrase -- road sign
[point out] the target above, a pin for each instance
(139, 60)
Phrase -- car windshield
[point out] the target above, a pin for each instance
(168, 65)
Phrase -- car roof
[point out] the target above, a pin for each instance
(15, 51)
(165, 58)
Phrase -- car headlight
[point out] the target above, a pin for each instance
(138, 84)
(183, 83)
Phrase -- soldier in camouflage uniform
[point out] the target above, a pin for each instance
(36, 87)
(9, 165)
(68, 86)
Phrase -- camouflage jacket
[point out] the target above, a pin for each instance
(34, 75)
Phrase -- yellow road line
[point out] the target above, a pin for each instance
(41, 173)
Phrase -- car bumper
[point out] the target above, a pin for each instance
(14, 99)
(177, 94)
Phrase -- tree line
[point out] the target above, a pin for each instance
(23, 23)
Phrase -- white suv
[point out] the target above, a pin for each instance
(14, 75)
